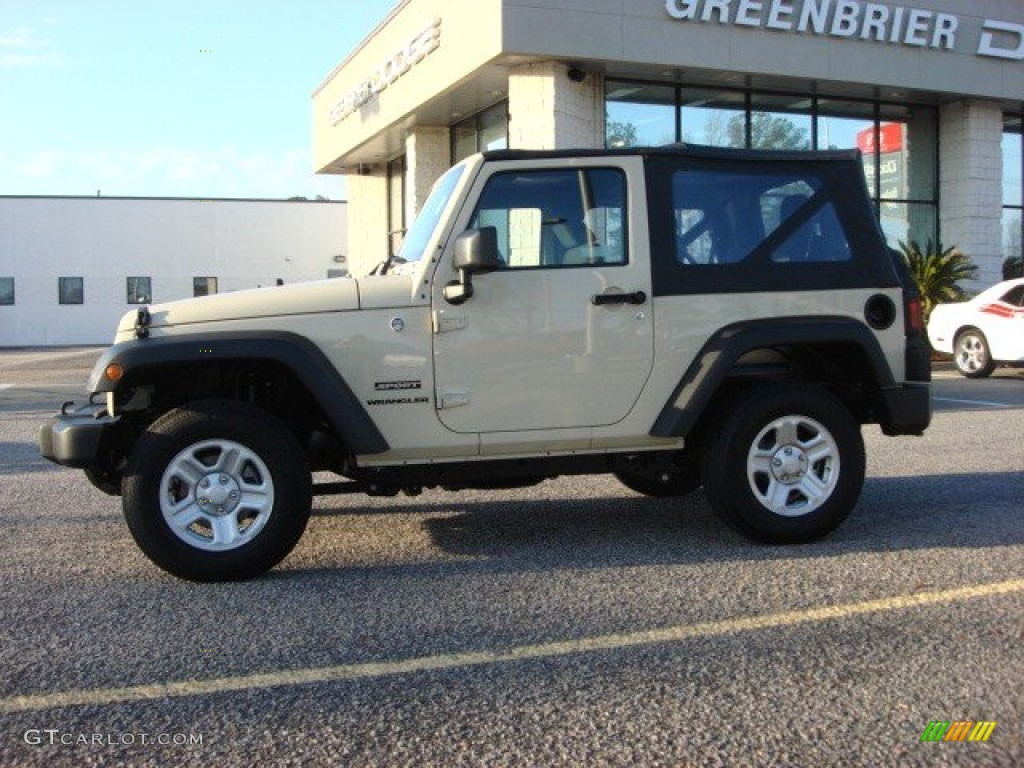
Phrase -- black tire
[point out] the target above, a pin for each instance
(108, 482)
(972, 355)
(258, 497)
(787, 464)
(676, 476)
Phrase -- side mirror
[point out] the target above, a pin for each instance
(476, 253)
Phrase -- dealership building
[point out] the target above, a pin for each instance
(931, 91)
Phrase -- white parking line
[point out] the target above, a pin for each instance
(556, 649)
(978, 403)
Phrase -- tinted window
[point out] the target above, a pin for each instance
(723, 216)
(204, 286)
(557, 218)
(1015, 296)
(6, 290)
(748, 223)
(71, 290)
(138, 290)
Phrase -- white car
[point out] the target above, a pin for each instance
(984, 332)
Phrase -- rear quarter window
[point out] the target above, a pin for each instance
(761, 226)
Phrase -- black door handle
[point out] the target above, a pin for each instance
(602, 299)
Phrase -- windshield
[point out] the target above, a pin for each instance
(423, 227)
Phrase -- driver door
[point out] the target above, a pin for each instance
(561, 337)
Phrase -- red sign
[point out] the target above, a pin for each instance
(890, 139)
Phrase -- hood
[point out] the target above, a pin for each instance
(334, 295)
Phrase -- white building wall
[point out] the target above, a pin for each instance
(367, 218)
(970, 141)
(427, 156)
(105, 240)
(549, 111)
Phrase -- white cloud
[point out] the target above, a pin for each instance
(22, 37)
(22, 47)
(41, 164)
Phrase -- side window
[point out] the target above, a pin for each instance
(723, 216)
(819, 239)
(1015, 296)
(557, 218)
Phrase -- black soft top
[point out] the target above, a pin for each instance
(683, 150)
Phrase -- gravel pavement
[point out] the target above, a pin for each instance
(571, 624)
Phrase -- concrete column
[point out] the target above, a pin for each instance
(427, 156)
(549, 111)
(367, 218)
(970, 140)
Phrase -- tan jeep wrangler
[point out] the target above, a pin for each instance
(680, 317)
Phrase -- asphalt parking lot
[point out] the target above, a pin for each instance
(575, 623)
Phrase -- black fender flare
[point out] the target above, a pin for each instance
(297, 353)
(716, 359)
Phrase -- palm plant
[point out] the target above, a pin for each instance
(1013, 267)
(937, 272)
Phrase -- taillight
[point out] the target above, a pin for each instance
(912, 316)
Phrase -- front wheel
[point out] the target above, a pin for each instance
(786, 466)
(972, 355)
(217, 491)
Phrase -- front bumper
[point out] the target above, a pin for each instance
(907, 409)
(77, 439)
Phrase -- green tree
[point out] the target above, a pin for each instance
(767, 131)
(619, 134)
(1013, 267)
(937, 272)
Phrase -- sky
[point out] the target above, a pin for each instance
(176, 98)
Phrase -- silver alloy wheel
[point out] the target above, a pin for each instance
(216, 495)
(971, 354)
(793, 466)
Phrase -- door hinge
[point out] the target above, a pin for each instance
(445, 322)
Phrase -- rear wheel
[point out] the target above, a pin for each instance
(972, 355)
(217, 491)
(786, 466)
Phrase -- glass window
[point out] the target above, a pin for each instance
(1013, 163)
(493, 128)
(907, 221)
(1013, 235)
(138, 289)
(1015, 296)
(722, 216)
(204, 286)
(715, 118)
(639, 115)
(850, 125)
(487, 130)
(899, 142)
(426, 221)
(71, 290)
(819, 239)
(919, 152)
(463, 140)
(557, 218)
(6, 291)
(780, 121)
(1013, 196)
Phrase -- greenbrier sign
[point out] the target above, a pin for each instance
(856, 20)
